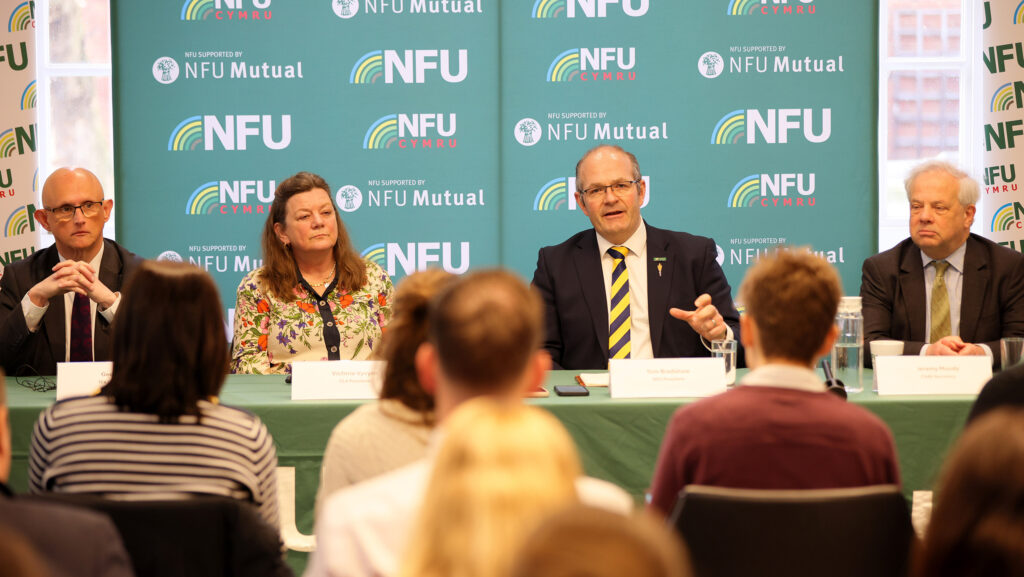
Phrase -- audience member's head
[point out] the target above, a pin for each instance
(169, 347)
(18, 558)
(977, 523)
(791, 298)
(484, 339)
(582, 541)
(406, 332)
(501, 469)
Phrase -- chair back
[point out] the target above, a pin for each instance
(193, 537)
(850, 532)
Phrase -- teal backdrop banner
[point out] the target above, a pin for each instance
(449, 130)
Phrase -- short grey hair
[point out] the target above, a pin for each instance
(969, 191)
(637, 175)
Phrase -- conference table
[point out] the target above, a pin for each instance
(618, 439)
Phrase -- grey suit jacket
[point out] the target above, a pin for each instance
(42, 349)
(991, 307)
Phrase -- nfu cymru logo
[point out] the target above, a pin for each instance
(1008, 217)
(769, 7)
(559, 192)
(225, 10)
(349, 198)
(231, 132)
(772, 125)
(587, 8)
(416, 131)
(773, 190)
(609, 63)
(527, 132)
(20, 221)
(165, 70)
(16, 140)
(22, 18)
(204, 200)
(1007, 96)
(710, 65)
(409, 66)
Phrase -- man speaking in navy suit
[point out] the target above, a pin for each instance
(625, 289)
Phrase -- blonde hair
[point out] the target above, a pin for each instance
(502, 468)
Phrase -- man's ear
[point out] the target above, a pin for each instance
(426, 368)
(42, 217)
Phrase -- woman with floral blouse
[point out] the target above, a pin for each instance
(314, 298)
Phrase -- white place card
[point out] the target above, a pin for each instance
(654, 378)
(82, 379)
(593, 379)
(936, 375)
(336, 380)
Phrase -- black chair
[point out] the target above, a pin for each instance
(194, 537)
(855, 532)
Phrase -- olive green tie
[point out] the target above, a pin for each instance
(940, 304)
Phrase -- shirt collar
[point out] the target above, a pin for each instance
(955, 260)
(634, 243)
(785, 377)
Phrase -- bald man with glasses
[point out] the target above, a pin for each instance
(57, 305)
(625, 289)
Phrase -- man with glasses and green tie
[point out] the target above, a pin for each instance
(625, 289)
(943, 291)
(57, 305)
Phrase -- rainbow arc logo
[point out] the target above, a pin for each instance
(1003, 218)
(548, 8)
(1018, 13)
(8, 144)
(731, 129)
(368, 68)
(28, 96)
(377, 254)
(746, 192)
(21, 18)
(565, 66)
(20, 221)
(742, 7)
(553, 195)
(197, 9)
(382, 133)
(188, 135)
(1003, 98)
(204, 200)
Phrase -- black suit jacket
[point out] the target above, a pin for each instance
(45, 347)
(991, 307)
(571, 283)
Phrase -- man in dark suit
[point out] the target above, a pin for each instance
(71, 541)
(621, 289)
(943, 291)
(57, 305)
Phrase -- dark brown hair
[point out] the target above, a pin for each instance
(169, 344)
(485, 327)
(977, 524)
(792, 296)
(278, 276)
(404, 335)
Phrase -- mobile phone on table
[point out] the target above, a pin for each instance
(571, 391)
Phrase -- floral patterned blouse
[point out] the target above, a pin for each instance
(270, 334)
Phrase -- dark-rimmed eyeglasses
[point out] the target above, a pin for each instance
(66, 212)
(617, 188)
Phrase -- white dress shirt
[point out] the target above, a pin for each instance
(640, 346)
(954, 288)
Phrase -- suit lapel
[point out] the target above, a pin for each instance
(658, 284)
(975, 287)
(53, 320)
(588, 270)
(913, 293)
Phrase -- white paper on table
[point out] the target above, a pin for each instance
(654, 378)
(594, 379)
(82, 379)
(932, 375)
(336, 380)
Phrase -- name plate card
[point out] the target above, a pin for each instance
(82, 379)
(336, 380)
(916, 375)
(658, 378)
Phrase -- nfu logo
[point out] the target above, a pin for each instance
(418, 256)
(231, 197)
(345, 8)
(773, 125)
(560, 192)
(1008, 96)
(231, 132)
(609, 63)
(23, 17)
(771, 7)
(409, 66)
(773, 190)
(710, 65)
(165, 70)
(225, 10)
(349, 198)
(9, 54)
(20, 221)
(429, 130)
(588, 8)
(527, 132)
(17, 140)
(1008, 217)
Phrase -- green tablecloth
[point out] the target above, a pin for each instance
(618, 439)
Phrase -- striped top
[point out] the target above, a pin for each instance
(88, 445)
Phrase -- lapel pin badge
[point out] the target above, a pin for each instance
(661, 262)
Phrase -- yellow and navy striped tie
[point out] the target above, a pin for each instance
(618, 327)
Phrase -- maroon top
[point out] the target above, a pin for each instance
(757, 437)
